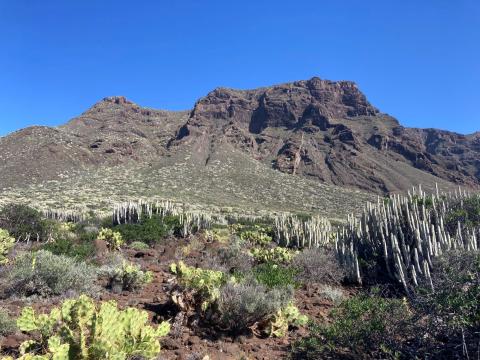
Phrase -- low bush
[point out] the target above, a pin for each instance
(24, 222)
(77, 249)
(43, 273)
(123, 275)
(6, 243)
(466, 212)
(273, 276)
(7, 324)
(319, 266)
(139, 246)
(331, 293)
(81, 330)
(232, 258)
(364, 326)
(150, 230)
(452, 309)
(241, 306)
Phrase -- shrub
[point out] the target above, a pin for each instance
(277, 255)
(7, 325)
(363, 326)
(333, 294)
(123, 275)
(150, 230)
(241, 306)
(452, 309)
(138, 245)
(23, 222)
(466, 212)
(81, 330)
(272, 275)
(45, 274)
(6, 243)
(232, 258)
(318, 266)
(113, 239)
(79, 249)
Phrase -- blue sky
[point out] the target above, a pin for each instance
(416, 60)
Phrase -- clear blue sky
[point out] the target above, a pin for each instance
(416, 60)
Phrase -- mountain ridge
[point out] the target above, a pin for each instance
(321, 130)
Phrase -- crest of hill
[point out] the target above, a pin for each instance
(323, 131)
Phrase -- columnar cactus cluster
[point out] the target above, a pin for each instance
(65, 215)
(404, 234)
(292, 231)
(132, 212)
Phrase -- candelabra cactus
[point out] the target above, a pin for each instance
(402, 236)
(292, 231)
(80, 330)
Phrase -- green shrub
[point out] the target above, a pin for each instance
(452, 309)
(466, 212)
(123, 275)
(272, 275)
(241, 306)
(45, 274)
(7, 324)
(139, 246)
(113, 239)
(363, 327)
(24, 222)
(77, 249)
(150, 230)
(81, 330)
(277, 255)
(6, 243)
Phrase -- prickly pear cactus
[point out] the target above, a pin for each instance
(279, 323)
(113, 239)
(6, 243)
(80, 330)
(278, 255)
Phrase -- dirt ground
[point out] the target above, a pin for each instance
(184, 342)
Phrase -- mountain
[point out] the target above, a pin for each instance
(293, 145)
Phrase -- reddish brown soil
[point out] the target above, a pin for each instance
(184, 342)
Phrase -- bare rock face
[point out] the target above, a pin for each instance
(328, 131)
(318, 129)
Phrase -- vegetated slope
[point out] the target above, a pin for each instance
(275, 147)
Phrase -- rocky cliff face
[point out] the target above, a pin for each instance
(318, 129)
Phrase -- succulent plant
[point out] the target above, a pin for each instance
(277, 255)
(113, 239)
(81, 330)
(6, 243)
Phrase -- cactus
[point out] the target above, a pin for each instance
(277, 255)
(113, 239)
(292, 231)
(127, 275)
(258, 236)
(6, 243)
(206, 283)
(403, 235)
(80, 330)
(278, 324)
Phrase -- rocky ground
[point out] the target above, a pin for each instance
(184, 342)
